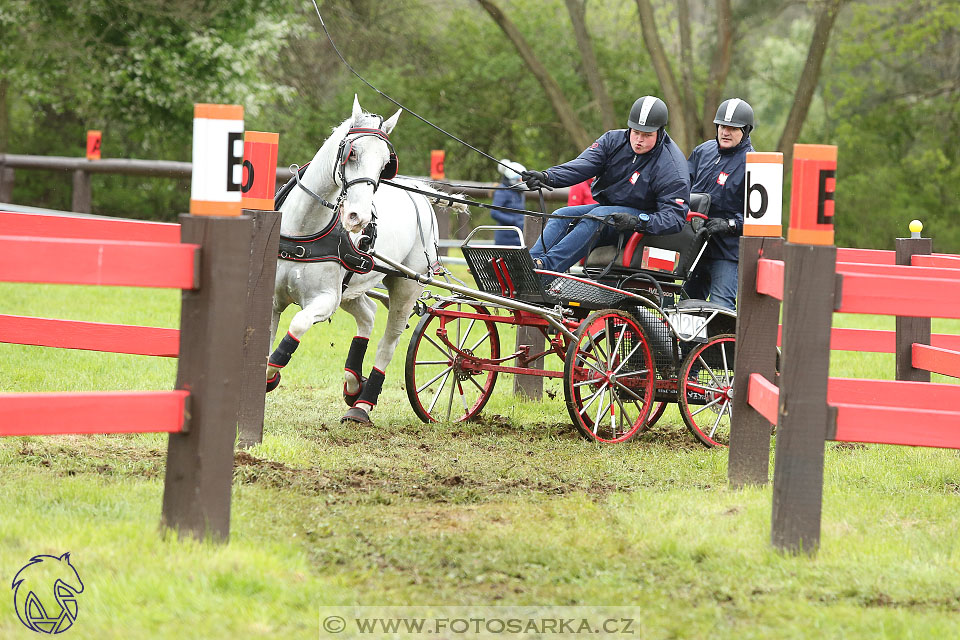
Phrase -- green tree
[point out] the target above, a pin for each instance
(893, 99)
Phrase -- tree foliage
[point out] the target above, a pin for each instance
(886, 91)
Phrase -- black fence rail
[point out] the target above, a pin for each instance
(82, 169)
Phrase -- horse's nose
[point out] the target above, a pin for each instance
(352, 219)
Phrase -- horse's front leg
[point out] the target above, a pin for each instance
(364, 311)
(318, 310)
(403, 294)
(273, 377)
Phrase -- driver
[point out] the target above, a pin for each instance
(642, 184)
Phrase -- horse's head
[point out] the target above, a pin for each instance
(366, 157)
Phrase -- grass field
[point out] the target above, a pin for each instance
(512, 510)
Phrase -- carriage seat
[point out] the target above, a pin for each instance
(672, 255)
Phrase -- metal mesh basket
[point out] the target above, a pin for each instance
(505, 271)
(585, 293)
(666, 355)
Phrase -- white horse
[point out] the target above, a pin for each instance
(342, 182)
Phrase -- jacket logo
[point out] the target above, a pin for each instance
(633, 178)
(595, 145)
(722, 178)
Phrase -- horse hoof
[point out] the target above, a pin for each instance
(274, 382)
(356, 415)
(351, 398)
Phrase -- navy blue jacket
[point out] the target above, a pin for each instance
(721, 173)
(507, 198)
(655, 182)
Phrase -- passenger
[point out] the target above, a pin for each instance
(641, 184)
(717, 167)
(505, 197)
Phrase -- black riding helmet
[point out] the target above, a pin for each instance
(648, 113)
(735, 112)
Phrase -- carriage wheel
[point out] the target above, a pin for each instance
(441, 384)
(655, 414)
(706, 390)
(608, 377)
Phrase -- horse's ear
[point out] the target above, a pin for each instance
(390, 123)
(356, 107)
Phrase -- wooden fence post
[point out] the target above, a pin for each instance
(531, 337)
(758, 317)
(443, 227)
(910, 330)
(463, 225)
(809, 294)
(7, 176)
(82, 195)
(264, 244)
(196, 493)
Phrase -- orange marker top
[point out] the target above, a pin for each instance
(218, 111)
(768, 157)
(815, 152)
(261, 136)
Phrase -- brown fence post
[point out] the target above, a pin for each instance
(530, 337)
(82, 195)
(911, 330)
(463, 225)
(7, 177)
(758, 317)
(443, 227)
(809, 293)
(264, 244)
(196, 493)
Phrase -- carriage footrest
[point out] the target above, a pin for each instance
(506, 272)
(569, 290)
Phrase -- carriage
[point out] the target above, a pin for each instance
(629, 344)
(628, 341)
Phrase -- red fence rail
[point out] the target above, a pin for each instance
(223, 267)
(813, 282)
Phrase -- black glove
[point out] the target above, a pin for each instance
(535, 179)
(622, 221)
(720, 225)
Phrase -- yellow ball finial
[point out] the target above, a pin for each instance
(916, 226)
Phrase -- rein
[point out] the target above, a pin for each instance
(441, 198)
(418, 116)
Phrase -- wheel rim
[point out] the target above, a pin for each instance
(706, 391)
(441, 383)
(609, 377)
(658, 410)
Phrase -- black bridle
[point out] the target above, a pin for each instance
(344, 151)
(389, 170)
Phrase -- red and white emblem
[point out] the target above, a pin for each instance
(633, 178)
(659, 259)
(722, 178)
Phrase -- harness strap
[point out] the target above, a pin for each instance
(296, 176)
(423, 241)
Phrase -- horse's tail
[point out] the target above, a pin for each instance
(459, 207)
(443, 198)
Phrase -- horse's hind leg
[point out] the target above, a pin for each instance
(403, 293)
(364, 311)
(318, 310)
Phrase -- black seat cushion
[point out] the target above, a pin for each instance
(672, 255)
